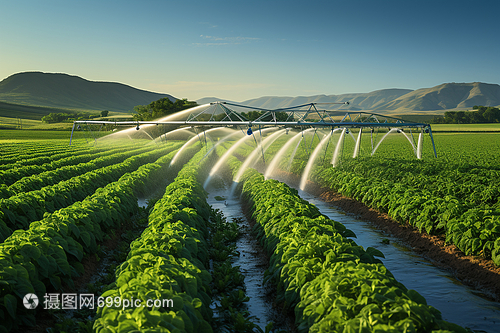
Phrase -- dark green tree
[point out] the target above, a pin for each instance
(52, 118)
(161, 108)
(492, 115)
(66, 117)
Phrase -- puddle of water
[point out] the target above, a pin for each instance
(458, 303)
(142, 202)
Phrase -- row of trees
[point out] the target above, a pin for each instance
(161, 108)
(154, 110)
(69, 117)
(253, 115)
(483, 114)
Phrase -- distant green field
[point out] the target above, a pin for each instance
(465, 127)
(33, 112)
(31, 124)
(10, 135)
(6, 135)
(12, 110)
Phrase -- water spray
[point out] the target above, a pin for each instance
(305, 115)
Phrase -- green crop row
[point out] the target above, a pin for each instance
(51, 250)
(473, 186)
(13, 174)
(167, 262)
(44, 159)
(66, 168)
(23, 155)
(18, 211)
(10, 151)
(332, 284)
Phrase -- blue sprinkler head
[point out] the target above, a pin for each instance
(249, 131)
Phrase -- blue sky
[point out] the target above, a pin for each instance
(240, 50)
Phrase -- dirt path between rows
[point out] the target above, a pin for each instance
(476, 272)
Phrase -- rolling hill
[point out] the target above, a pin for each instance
(447, 96)
(358, 101)
(58, 90)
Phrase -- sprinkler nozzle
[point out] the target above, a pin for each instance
(249, 131)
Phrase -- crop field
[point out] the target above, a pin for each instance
(466, 127)
(456, 194)
(68, 210)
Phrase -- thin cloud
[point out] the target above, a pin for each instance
(216, 41)
(210, 25)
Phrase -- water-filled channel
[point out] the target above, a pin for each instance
(458, 303)
(252, 262)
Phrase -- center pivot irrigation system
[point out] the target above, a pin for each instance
(225, 114)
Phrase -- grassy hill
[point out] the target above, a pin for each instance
(56, 90)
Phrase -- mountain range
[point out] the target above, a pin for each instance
(56, 90)
(72, 92)
(446, 96)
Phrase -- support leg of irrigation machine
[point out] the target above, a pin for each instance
(432, 140)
